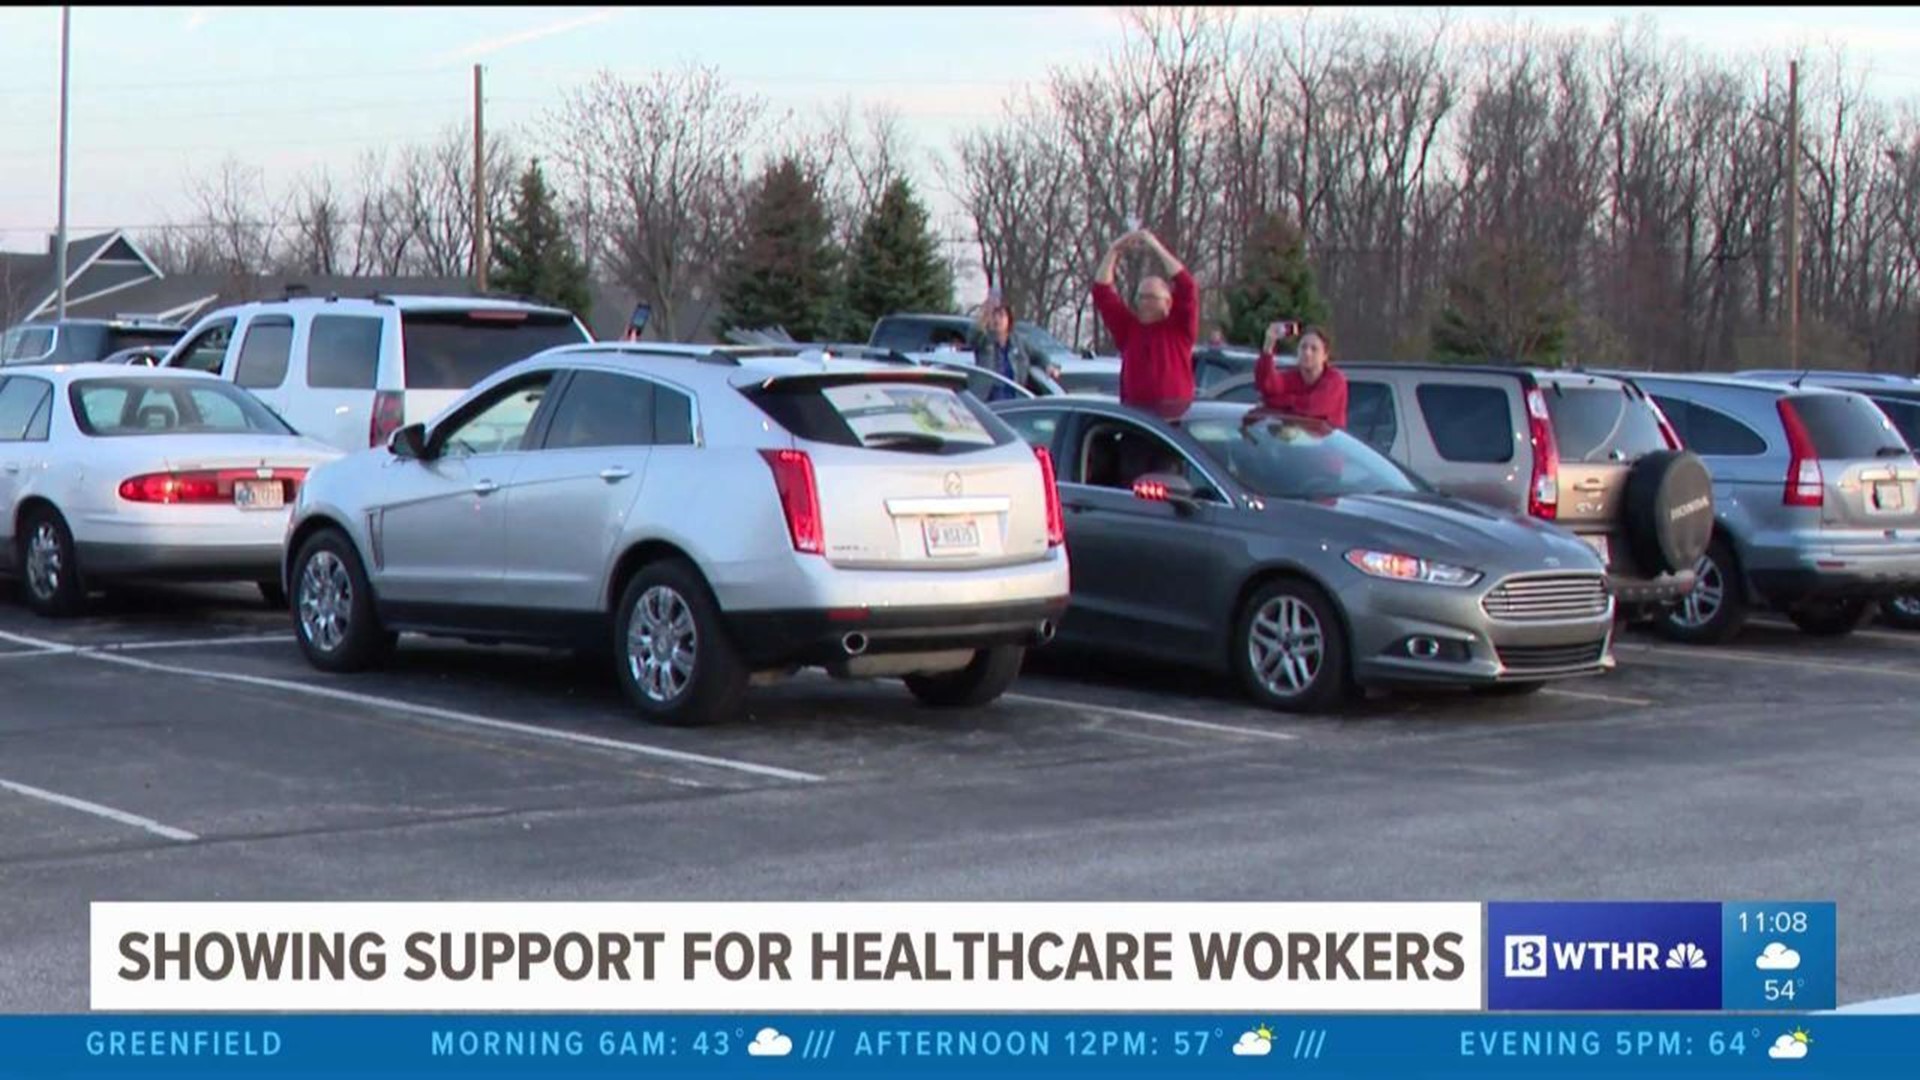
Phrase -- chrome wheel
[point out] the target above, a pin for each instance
(662, 643)
(1286, 645)
(46, 569)
(326, 601)
(1704, 602)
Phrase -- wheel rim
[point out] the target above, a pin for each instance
(1286, 646)
(1708, 595)
(662, 644)
(1907, 606)
(326, 601)
(45, 567)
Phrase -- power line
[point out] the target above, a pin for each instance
(278, 79)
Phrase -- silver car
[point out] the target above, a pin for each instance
(709, 516)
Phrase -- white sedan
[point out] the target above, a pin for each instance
(110, 472)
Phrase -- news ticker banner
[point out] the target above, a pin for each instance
(772, 1046)
(962, 957)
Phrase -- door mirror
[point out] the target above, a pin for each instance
(1166, 488)
(409, 442)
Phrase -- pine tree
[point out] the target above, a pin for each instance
(1508, 305)
(896, 264)
(785, 272)
(1276, 282)
(534, 256)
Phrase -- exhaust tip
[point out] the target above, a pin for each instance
(854, 643)
(1046, 631)
(1424, 648)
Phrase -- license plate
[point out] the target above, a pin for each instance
(1598, 542)
(952, 535)
(259, 495)
(1888, 497)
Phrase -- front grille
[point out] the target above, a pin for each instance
(1548, 596)
(1552, 657)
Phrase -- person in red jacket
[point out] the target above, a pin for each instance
(1313, 388)
(1156, 336)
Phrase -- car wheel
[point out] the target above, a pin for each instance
(982, 681)
(1716, 609)
(1902, 611)
(49, 568)
(675, 660)
(333, 614)
(1829, 618)
(1290, 650)
(273, 595)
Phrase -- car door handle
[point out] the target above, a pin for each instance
(1595, 484)
(1078, 508)
(615, 474)
(485, 487)
(13, 466)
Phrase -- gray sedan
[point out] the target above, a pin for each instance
(1301, 560)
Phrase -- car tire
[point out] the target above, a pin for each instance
(1902, 612)
(49, 567)
(1829, 618)
(669, 603)
(1509, 689)
(273, 595)
(1290, 648)
(333, 612)
(1716, 609)
(984, 680)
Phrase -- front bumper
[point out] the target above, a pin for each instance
(1391, 622)
(805, 638)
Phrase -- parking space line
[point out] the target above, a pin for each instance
(1154, 718)
(1588, 695)
(98, 810)
(446, 715)
(1762, 658)
(190, 643)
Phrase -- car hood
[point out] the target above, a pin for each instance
(1444, 529)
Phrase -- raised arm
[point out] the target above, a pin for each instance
(1114, 312)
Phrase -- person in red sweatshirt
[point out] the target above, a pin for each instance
(1313, 388)
(1156, 336)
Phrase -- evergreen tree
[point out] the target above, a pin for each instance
(896, 264)
(1276, 282)
(785, 271)
(1508, 305)
(534, 256)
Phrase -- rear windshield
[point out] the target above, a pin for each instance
(1287, 458)
(1601, 423)
(453, 350)
(119, 338)
(117, 407)
(884, 416)
(1846, 426)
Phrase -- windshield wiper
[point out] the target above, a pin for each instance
(919, 440)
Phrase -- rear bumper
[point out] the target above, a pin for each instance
(227, 562)
(768, 639)
(1665, 589)
(1836, 571)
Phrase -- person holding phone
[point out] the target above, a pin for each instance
(1157, 334)
(1313, 388)
(637, 322)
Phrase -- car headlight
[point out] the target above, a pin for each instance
(1398, 567)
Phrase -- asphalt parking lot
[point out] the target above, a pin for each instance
(173, 744)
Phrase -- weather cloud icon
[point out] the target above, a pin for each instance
(1792, 1046)
(770, 1043)
(1777, 957)
(1256, 1043)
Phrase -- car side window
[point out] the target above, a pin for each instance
(1371, 417)
(27, 343)
(1247, 393)
(672, 417)
(1114, 454)
(1037, 427)
(1471, 424)
(1705, 430)
(599, 409)
(264, 351)
(22, 401)
(343, 352)
(1905, 416)
(207, 349)
(498, 423)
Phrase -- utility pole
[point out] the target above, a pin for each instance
(60, 236)
(479, 188)
(1793, 212)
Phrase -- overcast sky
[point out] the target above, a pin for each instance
(160, 94)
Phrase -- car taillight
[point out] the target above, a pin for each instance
(1666, 426)
(799, 498)
(1805, 484)
(205, 486)
(1543, 494)
(389, 416)
(1056, 521)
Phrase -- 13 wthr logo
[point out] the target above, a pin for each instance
(1611, 956)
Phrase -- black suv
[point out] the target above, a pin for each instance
(81, 341)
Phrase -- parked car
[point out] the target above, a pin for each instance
(112, 472)
(916, 334)
(1097, 375)
(349, 372)
(1587, 452)
(1302, 561)
(1846, 380)
(1217, 364)
(81, 341)
(1817, 503)
(706, 516)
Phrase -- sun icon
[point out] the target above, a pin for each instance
(1264, 1032)
(1800, 1036)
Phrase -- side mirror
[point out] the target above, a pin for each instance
(409, 443)
(1166, 488)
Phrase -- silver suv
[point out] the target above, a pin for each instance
(1817, 511)
(708, 516)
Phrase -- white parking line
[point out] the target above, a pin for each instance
(1153, 718)
(1588, 695)
(98, 810)
(446, 715)
(191, 643)
(1673, 652)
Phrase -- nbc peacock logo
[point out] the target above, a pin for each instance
(1686, 955)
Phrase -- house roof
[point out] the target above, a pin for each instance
(29, 285)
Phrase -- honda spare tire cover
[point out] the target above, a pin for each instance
(1668, 506)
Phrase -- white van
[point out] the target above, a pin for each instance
(349, 372)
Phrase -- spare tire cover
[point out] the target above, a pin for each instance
(1668, 507)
